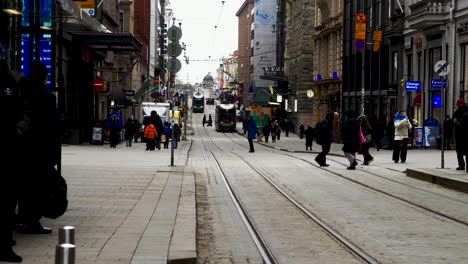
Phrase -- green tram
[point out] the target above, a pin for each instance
(225, 118)
(198, 103)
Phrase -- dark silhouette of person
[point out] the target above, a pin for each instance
(210, 120)
(324, 132)
(251, 132)
(267, 130)
(309, 136)
(129, 132)
(155, 119)
(459, 134)
(204, 120)
(351, 139)
(115, 124)
(301, 131)
(9, 132)
(40, 147)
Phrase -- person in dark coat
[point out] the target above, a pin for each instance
(309, 136)
(177, 134)
(368, 134)
(266, 130)
(41, 147)
(351, 139)
(155, 119)
(129, 132)
(464, 130)
(10, 103)
(274, 130)
(301, 131)
(204, 120)
(459, 134)
(251, 132)
(210, 120)
(325, 138)
(136, 130)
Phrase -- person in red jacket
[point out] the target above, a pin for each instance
(151, 134)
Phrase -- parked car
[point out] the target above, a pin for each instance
(210, 101)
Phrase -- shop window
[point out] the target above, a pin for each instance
(464, 70)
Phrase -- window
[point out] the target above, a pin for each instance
(121, 22)
(409, 62)
(395, 67)
(435, 54)
(464, 70)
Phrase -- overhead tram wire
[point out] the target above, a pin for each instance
(217, 24)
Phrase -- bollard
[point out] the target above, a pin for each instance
(66, 235)
(65, 254)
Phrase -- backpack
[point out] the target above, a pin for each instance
(115, 119)
(167, 130)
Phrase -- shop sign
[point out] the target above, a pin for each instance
(437, 83)
(98, 85)
(87, 5)
(412, 85)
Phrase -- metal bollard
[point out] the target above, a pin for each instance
(65, 254)
(66, 235)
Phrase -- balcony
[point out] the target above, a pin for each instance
(428, 13)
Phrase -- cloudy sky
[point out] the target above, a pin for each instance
(206, 45)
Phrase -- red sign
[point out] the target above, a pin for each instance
(359, 44)
(98, 85)
(361, 17)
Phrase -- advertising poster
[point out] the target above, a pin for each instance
(418, 136)
(431, 132)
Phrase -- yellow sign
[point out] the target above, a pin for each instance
(271, 89)
(377, 35)
(85, 4)
(360, 31)
(361, 17)
(376, 46)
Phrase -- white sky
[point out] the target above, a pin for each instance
(198, 20)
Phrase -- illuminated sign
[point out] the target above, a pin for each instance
(437, 83)
(45, 54)
(436, 101)
(412, 85)
(87, 5)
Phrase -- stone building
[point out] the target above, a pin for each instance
(244, 66)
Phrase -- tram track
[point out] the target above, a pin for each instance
(386, 193)
(262, 246)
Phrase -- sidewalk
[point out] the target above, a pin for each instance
(125, 210)
(423, 164)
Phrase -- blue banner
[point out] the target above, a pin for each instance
(437, 83)
(412, 85)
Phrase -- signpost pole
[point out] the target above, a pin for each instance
(442, 125)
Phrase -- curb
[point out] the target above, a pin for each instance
(447, 182)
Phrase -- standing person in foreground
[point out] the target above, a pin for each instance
(9, 103)
(368, 134)
(251, 132)
(402, 127)
(351, 139)
(459, 140)
(150, 134)
(41, 148)
(324, 138)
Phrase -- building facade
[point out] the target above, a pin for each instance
(244, 67)
(435, 31)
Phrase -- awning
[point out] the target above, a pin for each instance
(417, 100)
(121, 41)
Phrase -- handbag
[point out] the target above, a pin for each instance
(163, 138)
(54, 201)
(368, 138)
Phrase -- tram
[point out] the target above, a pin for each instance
(198, 103)
(225, 118)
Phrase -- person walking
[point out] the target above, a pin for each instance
(151, 134)
(136, 130)
(351, 139)
(167, 135)
(267, 130)
(251, 132)
(324, 138)
(155, 119)
(115, 124)
(204, 120)
(274, 131)
(459, 135)
(309, 137)
(210, 120)
(9, 103)
(301, 131)
(129, 132)
(402, 127)
(177, 134)
(40, 148)
(287, 127)
(368, 135)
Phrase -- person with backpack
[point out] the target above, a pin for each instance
(167, 134)
(9, 103)
(177, 133)
(129, 132)
(155, 119)
(115, 124)
(324, 137)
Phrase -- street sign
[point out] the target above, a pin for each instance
(412, 85)
(174, 34)
(360, 31)
(176, 63)
(174, 49)
(437, 83)
(310, 93)
(361, 17)
(442, 68)
(359, 43)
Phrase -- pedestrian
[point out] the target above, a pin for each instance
(459, 135)
(368, 135)
(274, 131)
(309, 137)
(251, 132)
(40, 147)
(464, 130)
(114, 124)
(286, 127)
(400, 142)
(155, 119)
(278, 130)
(301, 131)
(151, 134)
(351, 139)
(167, 135)
(267, 130)
(324, 133)
(448, 132)
(210, 120)
(204, 120)
(136, 130)
(129, 132)
(9, 103)
(177, 133)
